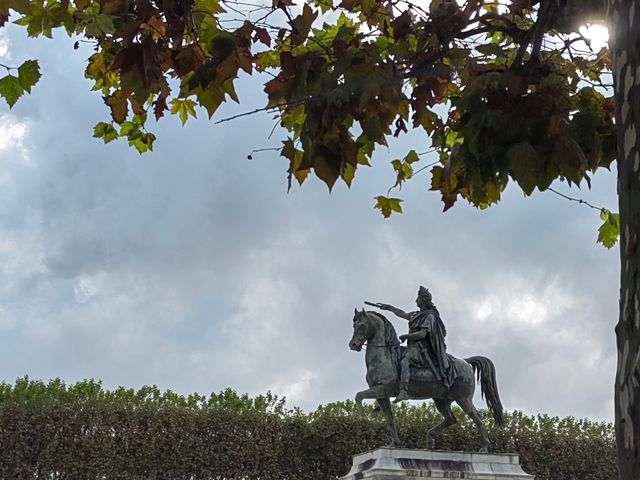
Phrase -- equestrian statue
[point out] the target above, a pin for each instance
(422, 369)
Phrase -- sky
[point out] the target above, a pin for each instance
(192, 268)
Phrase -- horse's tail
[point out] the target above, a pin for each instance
(486, 373)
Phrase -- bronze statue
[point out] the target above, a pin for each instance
(425, 342)
(421, 370)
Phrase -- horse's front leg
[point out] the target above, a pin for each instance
(380, 393)
(385, 406)
(372, 393)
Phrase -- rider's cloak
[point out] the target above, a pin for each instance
(431, 352)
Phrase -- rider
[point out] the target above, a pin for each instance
(425, 347)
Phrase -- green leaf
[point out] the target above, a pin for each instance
(268, 59)
(29, 74)
(127, 128)
(411, 157)
(365, 149)
(569, 158)
(388, 205)
(609, 231)
(97, 24)
(143, 143)
(37, 21)
(294, 155)
(525, 164)
(326, 166)
(184, 108)
(453, 138)
(348, 174)
(302, 23)
(11, 89)
(491, 49)
(404, 170)
(325, 5)
(105, 131)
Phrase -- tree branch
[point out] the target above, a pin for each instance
(264, 109)
(535, 34)
(579, 200)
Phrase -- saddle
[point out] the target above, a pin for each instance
(422, 375)
(425, 374)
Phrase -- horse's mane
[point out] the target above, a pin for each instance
(390, 335)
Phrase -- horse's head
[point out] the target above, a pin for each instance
(361, 330)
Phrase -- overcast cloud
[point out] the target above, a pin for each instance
(191, 267)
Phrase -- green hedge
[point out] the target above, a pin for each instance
(81, 431)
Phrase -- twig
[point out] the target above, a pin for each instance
(275, 125)
(425, 167)
(258, 110)
(245, 114)
(579, 200)
(417, 171)
(7, 67)
(258, 150)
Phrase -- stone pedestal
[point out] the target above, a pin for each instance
(401, 463)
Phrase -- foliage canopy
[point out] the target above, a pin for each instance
(503, 89)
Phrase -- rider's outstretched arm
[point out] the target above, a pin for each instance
(394, 310)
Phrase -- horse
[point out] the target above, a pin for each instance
(383, 355)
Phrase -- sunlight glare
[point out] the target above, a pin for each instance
(598, 34)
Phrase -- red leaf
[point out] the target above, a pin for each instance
(448, 201)
(114, 7)
(118, 104)
(188, 59)
(159, 106)
(263, 36)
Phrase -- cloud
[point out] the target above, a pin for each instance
(13, 132)
(193, 269)
(4, 46)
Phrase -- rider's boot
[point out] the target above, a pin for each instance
(404, 393)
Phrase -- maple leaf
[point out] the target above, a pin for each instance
(159, 107)
(183, 108)
(524, 162)
(263, 36)
(118, 104)
(143, 143)
(188, 59)
(114, 7)
(609, 231)
(11, 89)
(29, 74)
(210, 98)
(294, 155)
(388, 205)
(105, 131)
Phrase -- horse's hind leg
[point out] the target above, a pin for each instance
(385, 406)
(444, 407)
(467, 405)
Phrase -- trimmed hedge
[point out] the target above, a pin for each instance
(81, 431)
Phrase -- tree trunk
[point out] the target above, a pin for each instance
(625, 50)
